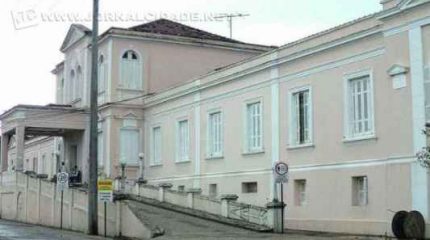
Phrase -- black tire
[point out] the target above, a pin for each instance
(397, 224)
(414, 225)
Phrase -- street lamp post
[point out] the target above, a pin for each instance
(142, 168)
(123, 165)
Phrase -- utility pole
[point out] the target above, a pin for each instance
(230, 20)
(92, 191)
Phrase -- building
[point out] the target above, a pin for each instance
(345, 108)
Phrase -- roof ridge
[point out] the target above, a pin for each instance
(169, 27)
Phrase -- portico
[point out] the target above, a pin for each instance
(25, 122)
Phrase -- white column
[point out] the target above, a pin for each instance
(20, 141)
(419, 177)
(4, 152)
(197, 144)
(107, 138)
(274, 74)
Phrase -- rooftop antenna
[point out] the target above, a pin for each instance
(230, 20)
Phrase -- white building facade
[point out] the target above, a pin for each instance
(345, 108)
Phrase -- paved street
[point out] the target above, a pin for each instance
(13, 230)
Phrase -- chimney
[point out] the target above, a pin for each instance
(386, 4)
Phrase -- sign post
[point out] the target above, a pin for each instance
(62, 183)
(105, 195)
(281, 177)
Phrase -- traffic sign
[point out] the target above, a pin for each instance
(105, 190)
(62, 181)
(281, 172)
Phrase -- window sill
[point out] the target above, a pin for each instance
(253, 152)
(130, 89)
(359, 139)
(155, 165)
(183, 161)
(214, 157)
(294, 147)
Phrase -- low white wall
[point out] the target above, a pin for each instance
(194, 200)
(36, 201)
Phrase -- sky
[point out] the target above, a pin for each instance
(32, 30)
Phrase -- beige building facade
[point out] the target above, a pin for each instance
(345, 108)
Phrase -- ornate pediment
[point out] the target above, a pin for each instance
(397, 69)
(75, 34)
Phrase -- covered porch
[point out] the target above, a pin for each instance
(63, 126)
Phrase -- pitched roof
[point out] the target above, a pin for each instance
(168, 27)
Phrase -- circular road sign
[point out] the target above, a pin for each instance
(281, 168)
(63, 177)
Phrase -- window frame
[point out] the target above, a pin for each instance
(102, 68)
(348, 134)
(209, 142)
(300, 198)
(246, 138)
(124, 84)
(357, 200)
(131, 124)
(152, 161)
(178, 158)
(293, 131)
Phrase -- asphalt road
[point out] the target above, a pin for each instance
(13, 230)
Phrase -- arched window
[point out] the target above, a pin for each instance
(131, 72)
(78, 83)
(102, 74)
(72, 86)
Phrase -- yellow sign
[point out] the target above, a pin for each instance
(105, 190)
(105, 185)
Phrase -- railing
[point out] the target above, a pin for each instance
(227, 206)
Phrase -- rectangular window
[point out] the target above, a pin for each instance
(359, 107)
(301, 118)
(215, 135)
(213, 191)
(359, 191)
(249, 187)
(129, 146)
(181, 188)
(254, 127)
(183, 141)
(156, 146)
(35, 165)
(300, 192)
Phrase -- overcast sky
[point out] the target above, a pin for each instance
(31, 38)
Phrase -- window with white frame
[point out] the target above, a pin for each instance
(300, 117)
(102, 74)
(129, 145)
(215, 134)
(183, 141)
(131, 72)
(359, 191)
(156, 146)
(300, 192)
(71, 92)
(254, 127)
(78, 83)
(359, 107)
